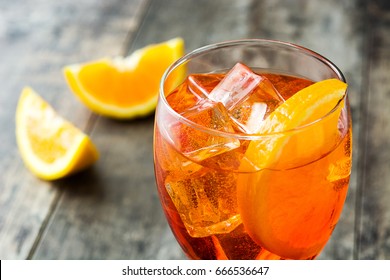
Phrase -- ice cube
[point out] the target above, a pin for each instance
(235, 86)
(258, 104)
(170, 159)
(339, 170)
(197, 143)
(182, 98)
(206, 201)
(195, 88)
(248, 97)
(201, 84)
(236, 245)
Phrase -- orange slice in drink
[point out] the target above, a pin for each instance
(50, 146)
(127, 87)
(281, 210)
(306, 106)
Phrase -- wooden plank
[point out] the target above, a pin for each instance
(113, 211)
(37, 38)
(374, 227)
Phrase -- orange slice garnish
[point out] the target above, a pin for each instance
(281, 210)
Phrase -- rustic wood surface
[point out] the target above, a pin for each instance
(112, 211)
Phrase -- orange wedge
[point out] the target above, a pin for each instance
(306, 106)
(124, 87)
(291, 211)
(50, 146)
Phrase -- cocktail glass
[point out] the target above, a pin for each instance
(230, 193)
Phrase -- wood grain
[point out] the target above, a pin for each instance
(374, 207)
(37, 38)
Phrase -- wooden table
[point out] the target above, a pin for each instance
(112, 211)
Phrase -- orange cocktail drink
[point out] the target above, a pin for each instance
(253, 151)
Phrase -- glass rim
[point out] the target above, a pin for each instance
(241, 42)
